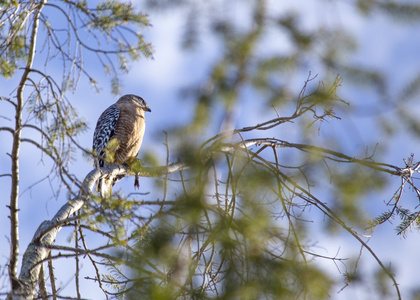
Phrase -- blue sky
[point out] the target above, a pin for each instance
(382, 44)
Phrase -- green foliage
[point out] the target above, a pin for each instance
(6, 69)
(382, 283)
(301, 40)
(112, 13)
(104, 24)
(405, 12)
(13, 40)
(350, 185)
(225, 245)
(408, 216)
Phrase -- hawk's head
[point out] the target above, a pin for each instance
(140, 101)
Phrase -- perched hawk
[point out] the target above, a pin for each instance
(118, 136)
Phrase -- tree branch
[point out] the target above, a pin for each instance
(39, 248)
(14, 195)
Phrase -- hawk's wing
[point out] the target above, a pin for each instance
(104, 131)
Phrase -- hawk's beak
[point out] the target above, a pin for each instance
(147, 109)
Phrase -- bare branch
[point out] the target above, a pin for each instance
(14, 207)
(7, 129)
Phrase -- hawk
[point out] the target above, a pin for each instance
(118, 136)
